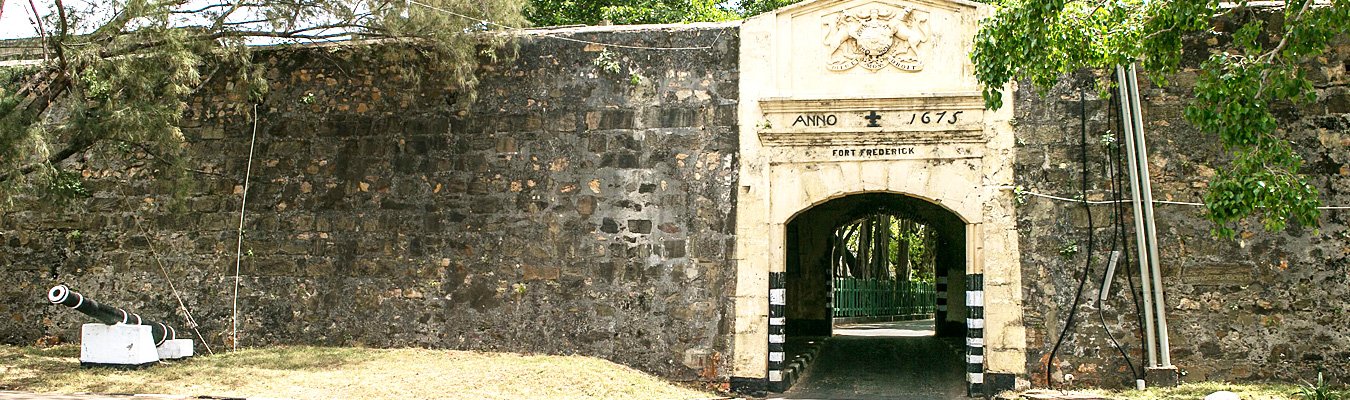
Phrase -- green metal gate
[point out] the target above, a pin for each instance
(878, 298)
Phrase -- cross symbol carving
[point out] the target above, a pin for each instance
(872, 118)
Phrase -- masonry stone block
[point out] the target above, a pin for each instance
(413, 196)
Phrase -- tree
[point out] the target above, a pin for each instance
(1041, 40)
(750, 8)
(114, 75)
(622, 12)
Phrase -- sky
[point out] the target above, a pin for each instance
(17, 19)
(14, 23)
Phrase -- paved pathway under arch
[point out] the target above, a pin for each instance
(889, 360)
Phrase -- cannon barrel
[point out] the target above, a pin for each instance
(60, 294)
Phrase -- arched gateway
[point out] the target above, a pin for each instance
(851, 107)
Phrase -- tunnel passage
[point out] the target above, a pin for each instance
(871, 257)
(825, 243)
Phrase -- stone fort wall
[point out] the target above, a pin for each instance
(573, 208)
(1266, 306)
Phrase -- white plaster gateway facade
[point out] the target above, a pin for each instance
(847, 97)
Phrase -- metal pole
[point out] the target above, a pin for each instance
(1140, 245)
(1164, 349)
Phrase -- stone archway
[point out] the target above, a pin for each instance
(818, 260)
(813, 132)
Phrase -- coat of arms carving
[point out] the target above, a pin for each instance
(876, 36)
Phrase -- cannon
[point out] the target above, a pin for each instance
(122, 338)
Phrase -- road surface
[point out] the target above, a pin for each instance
(889, 360)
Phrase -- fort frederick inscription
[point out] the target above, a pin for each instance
(873, 152)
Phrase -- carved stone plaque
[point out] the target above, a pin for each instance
(876, 36)
(936, 118)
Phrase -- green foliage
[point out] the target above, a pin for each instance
(1068, 249)
(66, 185)
(1318, 391)
(920, 244)
(608, 62)
(117, 83)
(750, 8)
(916, 241)
(1041, 41)
(596, 12)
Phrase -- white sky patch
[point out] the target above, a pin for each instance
(17, 20)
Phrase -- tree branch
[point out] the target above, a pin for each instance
(162, 160)
(1284, 39)
(114, 26)
(62, 34)
(367, 31)
(1270, 56)
(39, 98)
(203, 8)
(76, 147)
(225, 15)
(249, 22)
(41, 31)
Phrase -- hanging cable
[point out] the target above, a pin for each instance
(1113, 174)
(1087, 265)
(1123, 234)
(192, 322)
(239, 245)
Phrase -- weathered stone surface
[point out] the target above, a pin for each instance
(1264, 306)
(384, 212)
(574, 210)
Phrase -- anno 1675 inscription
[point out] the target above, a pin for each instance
(921, 119)
(872, 119)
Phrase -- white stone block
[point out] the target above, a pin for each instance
(120, 344)
(175, 349)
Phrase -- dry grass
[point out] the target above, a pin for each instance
(1198, 390)
(345, 373)
(1246, 391)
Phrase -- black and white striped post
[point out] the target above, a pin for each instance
(941, 289)
(777, 330)
(975, 334)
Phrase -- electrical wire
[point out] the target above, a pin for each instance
(1108, 202)
(167, 278)
(1087, 265)
(1117, 239)
(239, 246)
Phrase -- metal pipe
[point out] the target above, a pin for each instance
(1110, 275)
(1142, 257)
(1164, 349)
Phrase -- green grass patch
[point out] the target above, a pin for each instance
(303, 372)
